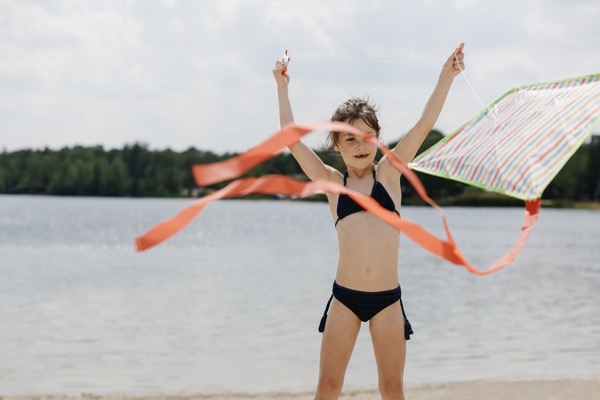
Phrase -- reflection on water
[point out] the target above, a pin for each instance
(233, 302)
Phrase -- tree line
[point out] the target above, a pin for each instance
(137, 171)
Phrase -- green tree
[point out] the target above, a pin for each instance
(136, 158)
(570, 182)
(137, 171)
(117, 180)
(592, 190)
(64, 181)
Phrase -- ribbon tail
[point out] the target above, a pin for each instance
(278, 184)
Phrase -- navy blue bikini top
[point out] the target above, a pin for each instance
(346, 206)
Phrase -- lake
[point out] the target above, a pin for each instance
(233, 302)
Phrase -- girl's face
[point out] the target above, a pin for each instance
(356, 151)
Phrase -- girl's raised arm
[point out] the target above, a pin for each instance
(310, 163)
(410, 143)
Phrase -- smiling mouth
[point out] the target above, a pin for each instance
(361, 156)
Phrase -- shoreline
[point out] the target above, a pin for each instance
(568, 389)
(470, 200)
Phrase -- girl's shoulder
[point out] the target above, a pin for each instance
(386, 172)
(335, 175)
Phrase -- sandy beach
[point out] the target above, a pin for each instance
(564, 389)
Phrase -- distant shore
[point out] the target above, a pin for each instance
(584, 205)
(465, 200)
(497, 200)
(476, 199)
(567, 389)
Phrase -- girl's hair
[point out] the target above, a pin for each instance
(353, 109)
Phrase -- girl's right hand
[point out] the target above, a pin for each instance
(282, 79)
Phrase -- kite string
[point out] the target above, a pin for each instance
(380, 60)
(490, 111)
(464, 74)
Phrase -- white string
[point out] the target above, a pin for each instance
(490, 111)
(368, 59)
(462, 71)
(400, 62)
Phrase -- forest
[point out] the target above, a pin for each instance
(138, 171)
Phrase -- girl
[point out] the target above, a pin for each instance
(366, 286)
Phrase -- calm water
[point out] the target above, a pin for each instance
(233, 302)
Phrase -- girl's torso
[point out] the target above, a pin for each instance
(368, 247)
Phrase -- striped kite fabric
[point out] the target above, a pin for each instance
(518, 144)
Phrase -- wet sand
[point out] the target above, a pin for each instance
(567, 389)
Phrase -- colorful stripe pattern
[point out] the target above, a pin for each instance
(519, 143)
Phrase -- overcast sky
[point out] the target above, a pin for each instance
(178, 74)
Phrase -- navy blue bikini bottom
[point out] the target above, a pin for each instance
(366, 304)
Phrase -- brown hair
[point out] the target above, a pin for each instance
(353, 109)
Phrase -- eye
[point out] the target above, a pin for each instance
(350, 139)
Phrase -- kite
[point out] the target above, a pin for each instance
(515, 147)
(518, 144)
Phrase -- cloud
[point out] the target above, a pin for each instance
(176, 73)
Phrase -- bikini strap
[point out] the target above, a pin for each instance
(324, 319)
(408, 330)
(372, 169)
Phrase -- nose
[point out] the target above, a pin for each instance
(364, 143)
(361, 141)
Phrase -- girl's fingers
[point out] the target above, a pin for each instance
(459, 56)
(459, 64)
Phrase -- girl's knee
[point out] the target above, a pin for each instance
(392, 389)
(329, 388)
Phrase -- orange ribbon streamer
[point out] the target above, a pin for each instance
(277, 184)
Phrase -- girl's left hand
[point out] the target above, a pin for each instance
(282, 79)
(455, 63)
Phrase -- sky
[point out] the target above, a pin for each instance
(180, 74)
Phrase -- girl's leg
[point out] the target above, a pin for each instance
(339, 337)
(387, 334)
